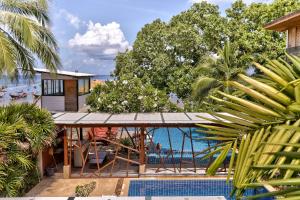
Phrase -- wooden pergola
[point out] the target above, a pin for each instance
(141, 123)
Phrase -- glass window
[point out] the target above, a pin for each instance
(53, 87)
(83, 86)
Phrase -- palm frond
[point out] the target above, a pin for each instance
(203, 85)
(263, 125)
(25, 28)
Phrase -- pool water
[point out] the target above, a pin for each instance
(186, 188)
(160, 136)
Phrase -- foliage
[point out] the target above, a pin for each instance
(165, 55)
(170, 55)
(24, 130)
(217, 71)
(126, 142)
(261, 134)
(128, 95)
(24, 36)
(85, 190)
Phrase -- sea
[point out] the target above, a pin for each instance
(28, 86)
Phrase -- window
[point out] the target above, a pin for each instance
(53, 87)
(83, 86)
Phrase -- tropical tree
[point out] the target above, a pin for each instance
(129, 95)
(24, 36)
(171, 55)
(25, 130)
(217, 72)
(261, 134)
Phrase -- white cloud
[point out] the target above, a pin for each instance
(230, 1)
(72, 19)
(100, 42)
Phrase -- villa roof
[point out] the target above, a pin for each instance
(284, 23)
(65, 73)
(131, 119)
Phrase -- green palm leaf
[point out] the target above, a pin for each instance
(261, 128)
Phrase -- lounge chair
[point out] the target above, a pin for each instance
(101, 157)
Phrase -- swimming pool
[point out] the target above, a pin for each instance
(186, 188)
(160, 136)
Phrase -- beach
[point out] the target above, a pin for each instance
(29, 87)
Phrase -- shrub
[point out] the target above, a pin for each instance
(85, 190)
(25, 130)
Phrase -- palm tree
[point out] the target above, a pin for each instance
(216, 72)
(24, 131)
(261, 135)
(24, 36)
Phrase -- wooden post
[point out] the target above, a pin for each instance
(171, 149)
(66, 168)
(193, 152)
(142, 146)
(142, 151)
(182, 149)
(66, 162)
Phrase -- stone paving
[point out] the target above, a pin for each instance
(59, 187)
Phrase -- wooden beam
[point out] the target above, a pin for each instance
(128, 160)
(116, 143)
(132, 141)
(117, 147)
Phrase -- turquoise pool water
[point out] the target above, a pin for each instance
(160, 136)
(186, 188)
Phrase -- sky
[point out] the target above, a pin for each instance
(90, 33)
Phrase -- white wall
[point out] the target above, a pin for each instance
(81, 100)
(53, 103)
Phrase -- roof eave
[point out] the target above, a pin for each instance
(284, 23)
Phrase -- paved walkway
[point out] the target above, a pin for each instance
(59, 187)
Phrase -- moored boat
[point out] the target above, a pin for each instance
(18, 95)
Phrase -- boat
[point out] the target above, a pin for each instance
(3, 88)
(18, 95)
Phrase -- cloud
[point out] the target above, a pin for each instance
(230, 1)
(70, 18)
(100, 42)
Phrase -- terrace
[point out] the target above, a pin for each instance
(132, 144)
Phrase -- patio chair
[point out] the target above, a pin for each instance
(97, 135)
(101, 157)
